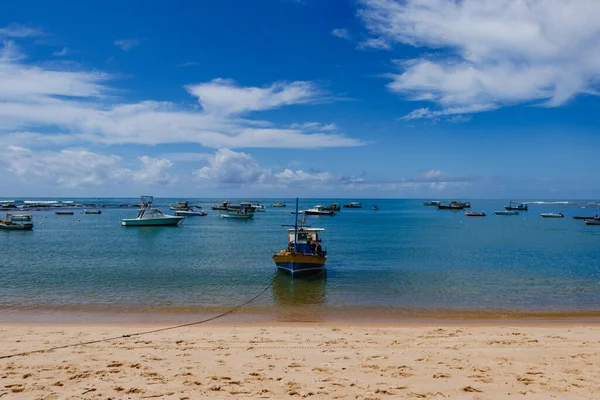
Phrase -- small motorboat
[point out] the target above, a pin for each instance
(318, 210)
(258, 207)
(278, 205)
(149, 216)
(506, 212)
(65, 212)
(432, 203)
(22, 222)
(475, 214)
(452, 206)
(592, 221)
(375, 207)
(552, 215)
(191, 213)
(224, 205)
(244, 211)
(353, 204)
(181, 205)
(590, 217)
(93, 212)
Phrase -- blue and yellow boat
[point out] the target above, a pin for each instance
(304, 253)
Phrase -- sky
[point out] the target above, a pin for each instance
(301, 98)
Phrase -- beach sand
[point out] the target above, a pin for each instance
(455, 360)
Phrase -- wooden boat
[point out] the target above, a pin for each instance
(475, 214)
(149, 216)
(552, 215)
(304, 253)
(432, 203)
(452, 206)
(516, 207)
(507, 212)
(181, 205)
(245, 211)
(592, 221)
(65, 212)
(353, 204)
(19, 222)
(93, 212)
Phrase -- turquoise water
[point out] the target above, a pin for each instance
(403, 260)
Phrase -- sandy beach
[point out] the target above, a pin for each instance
(494, 360)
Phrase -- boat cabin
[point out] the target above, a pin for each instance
(308, 241)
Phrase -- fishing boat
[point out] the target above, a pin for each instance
(506, 212)
(452, 206)
(224, 205)
(304, 253)
(516, 206)
(65, 212)
(181, 205)
(552, 215)
(334, 207)
(149, 216)
(93, 212)
(278, 205)
(258, 207)
(432, 203)
(475, 214)
(353, 204)
(191, 213)
(243, 211)
(590, 217)
(318, 210)
(592, 221)
(23, 222)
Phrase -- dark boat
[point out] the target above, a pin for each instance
(517, 207)
(452, 206)
(591, 217)
(64, 212)
(475, 214)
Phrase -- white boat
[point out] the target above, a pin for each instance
(245, 211)
(149, 216)
(278, 205)
(23, 222)
(353, 204)
(258, 207)
(506, 212)
(552, 215)
(592, 221)
(190, 213)
(318, 210)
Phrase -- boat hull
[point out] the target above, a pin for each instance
(93, 212)
(190, 213)
(296, 264)
(475, 214)
(168, 221)
(17, 227)
(64, 212)
(323, 212)
(237, 216)
(552, 215)
(592, 221)
(506, 212)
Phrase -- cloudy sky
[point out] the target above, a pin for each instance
(285, 98)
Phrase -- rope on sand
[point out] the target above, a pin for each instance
(230, 311)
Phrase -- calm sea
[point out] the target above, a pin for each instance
(403, 261)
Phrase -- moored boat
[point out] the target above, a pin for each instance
(516, 206)
(278, 205)
(304, 253)
(243, 211)
(353, 204)
(23, 222)
(224, 205)
(93, 212)
(592, 221)
(65, 212)
(191, 213)
(318, 210)
(181, 205)
(452, 206)
(432, 203)
(590, 217)
(552, 215)
(258, 207)
(475, 214)
(506, 212)
(149, 216)
(375, 207)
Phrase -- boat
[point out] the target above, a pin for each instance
(149, 216)
(224, 205)
(590, 217)
(191, 213)
(258, 207)
(375, 207)
(93, 212)
(23, 222)
(304, 253)
(592, 221)
(353, 204)
(278, 205)
(452, 206)
(475, 214)
(318, 210)
(552, 215)
(243, 211)
(507, 212)
(181, 205)
(334, 207)
(517, 206)
(432, 203)
(65, 212)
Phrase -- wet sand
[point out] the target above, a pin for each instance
(435, 360)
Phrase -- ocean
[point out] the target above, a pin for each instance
(403, 261)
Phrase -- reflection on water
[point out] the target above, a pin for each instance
(299, 299)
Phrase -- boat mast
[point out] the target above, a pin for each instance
(296, 226)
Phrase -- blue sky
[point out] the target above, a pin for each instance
(284, 98)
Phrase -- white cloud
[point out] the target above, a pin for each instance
(19, 31)
(61, 53)
(490, 53)
(230, 167)
(75, 167)
(80, 104)
(126, 44)
(342, 33)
